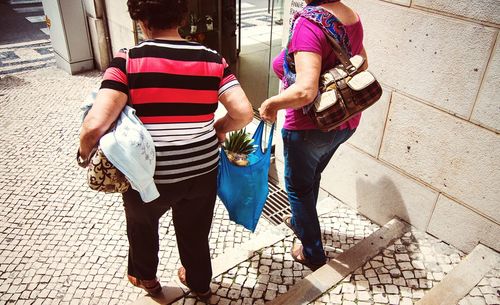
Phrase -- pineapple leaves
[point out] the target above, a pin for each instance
(239, 142)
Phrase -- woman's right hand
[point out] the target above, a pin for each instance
(268, 112)
(105, 110)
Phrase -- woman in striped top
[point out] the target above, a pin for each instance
(175, 86)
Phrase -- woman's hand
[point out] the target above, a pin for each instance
(268, 112)
(221, 134)
(84, 153)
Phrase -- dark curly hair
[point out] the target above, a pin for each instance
(158, 14)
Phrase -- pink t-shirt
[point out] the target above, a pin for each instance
(308, 37)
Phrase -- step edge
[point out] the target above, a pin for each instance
(462, 278)
(248, 249)
(314, 285)
(327, 205)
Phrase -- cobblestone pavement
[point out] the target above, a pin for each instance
(487, 291)
(399, 275)
(26, 56)
(61, 243)
(272, 270)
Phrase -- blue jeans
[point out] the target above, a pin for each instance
(307, 153)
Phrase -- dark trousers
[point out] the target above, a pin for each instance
(192, 202)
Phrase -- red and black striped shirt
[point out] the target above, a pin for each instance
(174, 87)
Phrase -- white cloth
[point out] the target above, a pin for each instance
(130, 148)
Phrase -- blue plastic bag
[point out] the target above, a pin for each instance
(244, 189)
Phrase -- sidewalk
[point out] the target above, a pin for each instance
(60, 242)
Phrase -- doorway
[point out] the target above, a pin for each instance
(259, 34)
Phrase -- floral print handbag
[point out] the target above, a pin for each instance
(103, 176)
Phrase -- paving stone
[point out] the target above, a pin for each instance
(412, 252)
(487, 291)
(380, 298)
(393, 299)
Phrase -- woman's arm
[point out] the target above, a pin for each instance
(302, 92)
(105, 110)
(239, 112)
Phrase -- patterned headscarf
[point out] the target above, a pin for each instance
(321, 18)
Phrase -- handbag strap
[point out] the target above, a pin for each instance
(340, 53)
(334, 31)
(258, 137)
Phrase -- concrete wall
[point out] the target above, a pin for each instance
(121, 27)
(98, 33)
(428, 151)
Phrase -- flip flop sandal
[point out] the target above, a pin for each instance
(287, 219)
(152, 287)
(298, 256)
(181, 273)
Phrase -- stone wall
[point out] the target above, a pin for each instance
(428, 151)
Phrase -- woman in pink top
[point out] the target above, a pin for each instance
(307, 150)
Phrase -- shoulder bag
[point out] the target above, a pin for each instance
(344, 90)
(102, 175)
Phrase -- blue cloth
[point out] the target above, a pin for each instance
(244, 189)
(130, 148)
(307, 153)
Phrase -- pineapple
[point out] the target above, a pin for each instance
(238, 146)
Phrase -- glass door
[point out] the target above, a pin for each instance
(260, 24)
(278, 26)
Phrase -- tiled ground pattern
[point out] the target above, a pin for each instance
(25, 57)
(343, 228)
(398, 276)
(60, 242)
(487, 291)
(272, 271)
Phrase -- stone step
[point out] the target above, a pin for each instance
(457, 284)
(320, 281)
(487, 291)
(403, 273)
